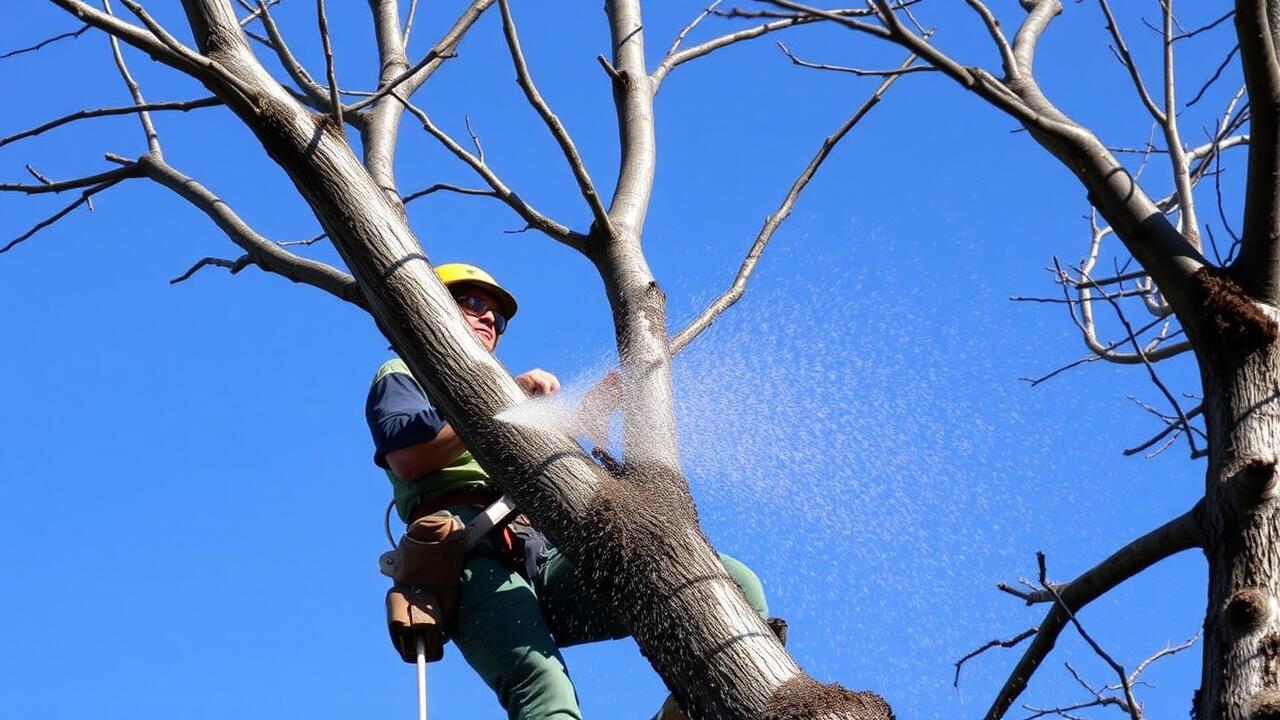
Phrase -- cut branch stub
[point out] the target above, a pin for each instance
(803, 698)
(1255, 483)
(1247, 609)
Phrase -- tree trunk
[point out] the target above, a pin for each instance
(1240, 369)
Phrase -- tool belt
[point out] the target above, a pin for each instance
(426, 567)
(515, 542)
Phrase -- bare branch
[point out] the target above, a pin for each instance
(558, 131)
(860, 72)
(1142, 355)
(450, 188)
(84, 199)
(45, 42)
(413, 78)
(132, 34)
(254, 12)
(997, 36)
(144, 117)
(1213, 78)
(330, 72)
(475, 139)
(262, 252)
(316, 94)
(183, 106)
(774, 221)
(1131, 704)
(1011, 642)
(675, 45)
(531, 216)
(675, 57)
(1187, 221)
(1169, 428)
(47, 186)
(1126, 59)
(1230, 14)
(234, 266)
(1182, 533)
(408, 22)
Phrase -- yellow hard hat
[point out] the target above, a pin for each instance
(463, 274)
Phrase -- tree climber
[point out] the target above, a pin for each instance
(517, 599)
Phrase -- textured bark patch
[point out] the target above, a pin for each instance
(1265, 706)
(803, 698)
(1232, 323)
(1247, 609)
(1270, 650)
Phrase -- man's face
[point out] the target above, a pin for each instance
(480, 309)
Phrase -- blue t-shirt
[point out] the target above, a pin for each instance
(399, 415)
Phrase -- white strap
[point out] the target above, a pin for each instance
(502, 510)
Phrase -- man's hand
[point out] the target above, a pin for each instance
(537, 382)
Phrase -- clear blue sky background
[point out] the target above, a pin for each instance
(188, 511)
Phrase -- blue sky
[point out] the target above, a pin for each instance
(190, 516)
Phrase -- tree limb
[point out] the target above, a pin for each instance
(558, 131)
(316, 95)
(675, 57)
(772, 222)
(46, 41)
(265, 254)
(144, 117)
(330, 72)
(410, 80)
(1183, 533)
(531, 216)
(180, 105)
(1258, 267)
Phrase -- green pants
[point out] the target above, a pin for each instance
(509, 630)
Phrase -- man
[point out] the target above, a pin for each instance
(517, 602)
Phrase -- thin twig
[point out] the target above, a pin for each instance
(558, 131)
(773, 221)
(1134, 711)
(675, 45)
(45, 42)
(180, 105)
(84, 198)
(330, 71)
(144, 117)
(1011, 642)
(860, 72)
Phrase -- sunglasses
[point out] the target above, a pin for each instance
(474, 305)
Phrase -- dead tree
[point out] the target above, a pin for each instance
(631, 530)
(1227, 308)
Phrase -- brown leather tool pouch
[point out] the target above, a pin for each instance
(413, 613)
(425, 598)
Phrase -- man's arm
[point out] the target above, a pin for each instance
(412, 440)
(424, 458)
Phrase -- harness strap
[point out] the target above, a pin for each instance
(501, 512)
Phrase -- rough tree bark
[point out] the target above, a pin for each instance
(633, 536)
